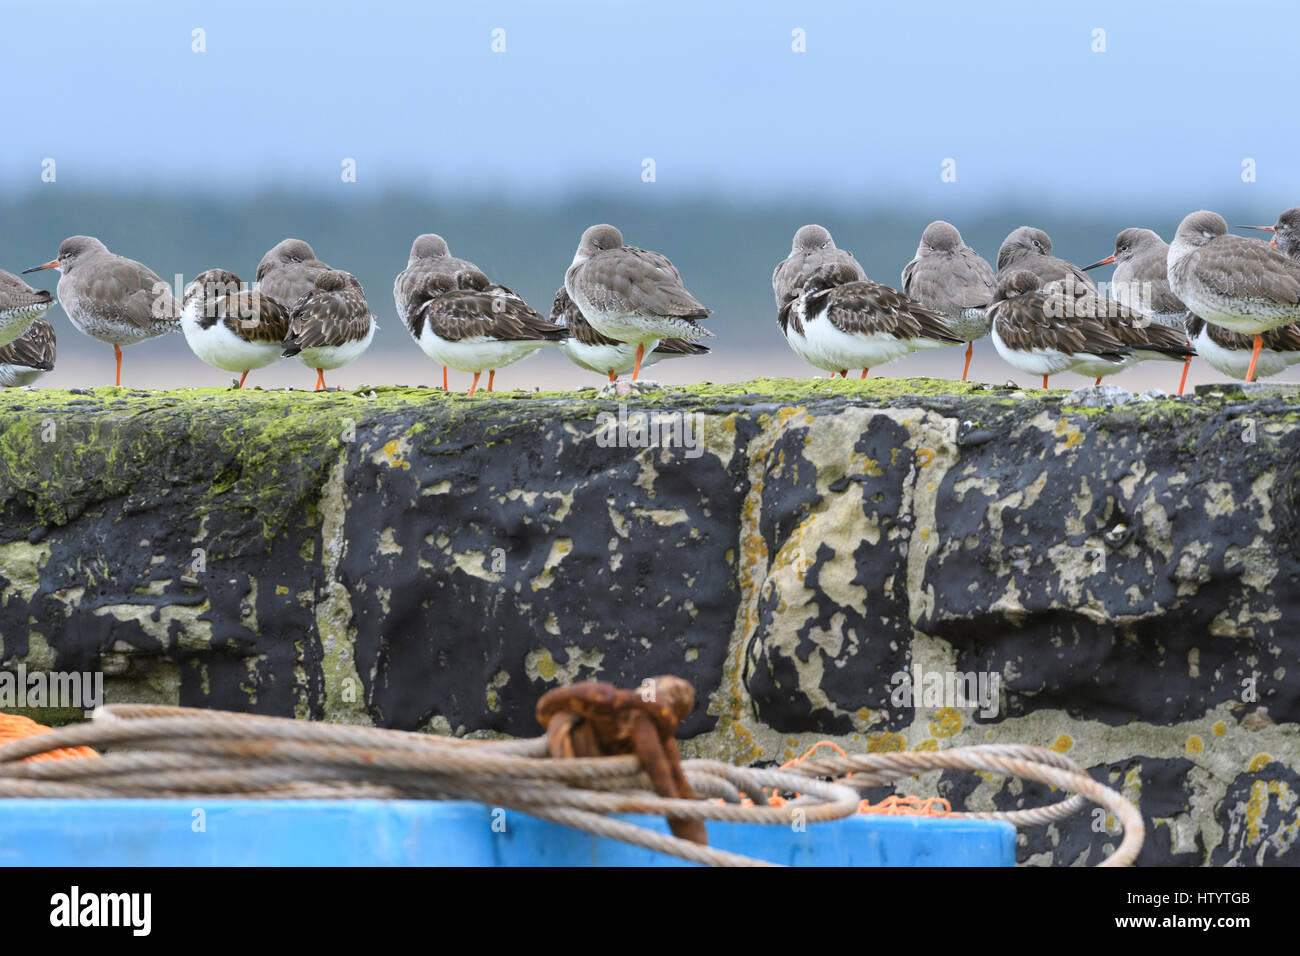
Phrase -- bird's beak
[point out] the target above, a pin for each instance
(52, 264)
(1102, 262)
(1260, 228)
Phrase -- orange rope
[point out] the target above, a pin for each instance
(890, 806)
(16, 726)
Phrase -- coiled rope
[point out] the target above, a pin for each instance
(177, 752)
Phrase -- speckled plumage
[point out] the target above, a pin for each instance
(20, 305)
(631, 294)
(332, 324)
(28, 357)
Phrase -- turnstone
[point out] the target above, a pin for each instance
(29, 356)
(430, 268)
(1144, 339)
(331, 325)
(231, 328)
(287, 271)
(1034, 332)
(812, 249)
(20, 304)
(630, 294)
(588, 349)
(860, 323)
(1229, 353)
(951, 278)
(1241, 284)
(110, 297)
(1030, 248)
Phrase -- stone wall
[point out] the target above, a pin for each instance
(1120, 581)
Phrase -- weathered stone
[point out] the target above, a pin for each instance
(1120, 582)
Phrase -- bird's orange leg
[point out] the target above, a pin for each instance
(612, 377)
(241, 380)
(1183, 382)
(844, 373)
(320, 380)
(1098, 382)
(832, 374)
(444, 379)
(492, 374)
(970, 350)
(1254, 357)
(474, 384)
(1044, 381)
(117, 351)
(640, 354)
(865, 371)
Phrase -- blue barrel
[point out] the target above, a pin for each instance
(79, 833)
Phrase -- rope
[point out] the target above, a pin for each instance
(178, 752)
(16, 726)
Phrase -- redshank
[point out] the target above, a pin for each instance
(588, 349)
(1242, 284)
(110, 297)
(812, 249)
(630, 294)
(1030, 248)
(949, 277)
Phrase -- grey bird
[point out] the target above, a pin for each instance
(630, 294)
(949, 277)
(1286, 232)
(1141, 282)
(288, 271)
(432, 269)
(29, 356)
(1030, 248)
(110, 297)
(811, 249)
(20, 305)
(1242, 284)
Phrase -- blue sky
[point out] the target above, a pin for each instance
(712, 92)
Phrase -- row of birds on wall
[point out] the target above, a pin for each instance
(1232, 300)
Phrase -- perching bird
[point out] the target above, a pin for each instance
(631, 295)
(110, 297)
(951, 278)
(331, 325)
(588, 349)
(230, 327)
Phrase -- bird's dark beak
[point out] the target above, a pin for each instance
(52, 264)
(1102, 262)
(1260, 228)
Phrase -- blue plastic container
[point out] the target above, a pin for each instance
(81, 833)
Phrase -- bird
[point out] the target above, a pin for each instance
(860, 323)
(331, 325)
(431, 266)
(1230, 353)
(20, 305)
(631, 295)
(588, 349)
(1133, 328)
(230, 327)
(951, 278)
(812, 249)
(28, 357)
(1286, 232)
(477, 330)
(1030, 248)
(1141, 282)
(1242, 284)
(110, 297)
(287, 271)
(1033, 331)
